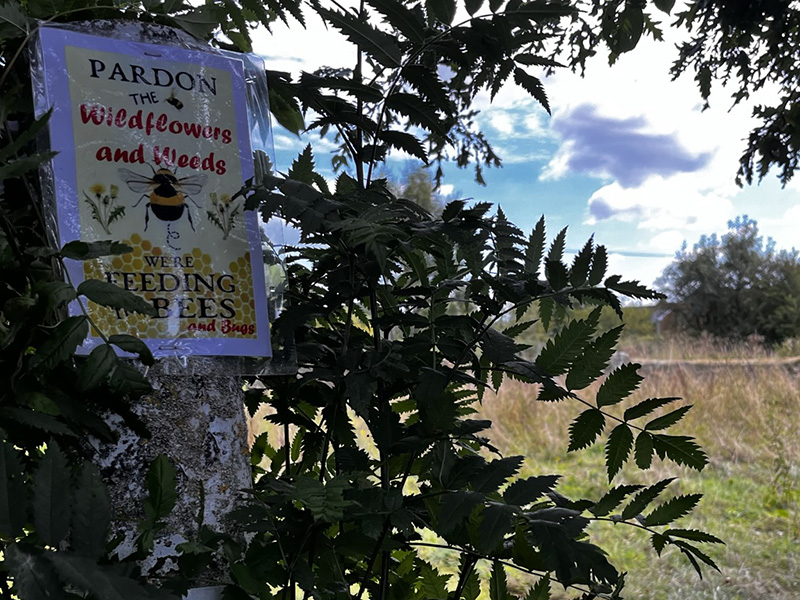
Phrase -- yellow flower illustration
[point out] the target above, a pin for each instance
(97, 189)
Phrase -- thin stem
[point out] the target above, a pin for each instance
(469, 566)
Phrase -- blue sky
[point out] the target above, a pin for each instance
(627, 156)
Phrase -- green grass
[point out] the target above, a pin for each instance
(747, 419)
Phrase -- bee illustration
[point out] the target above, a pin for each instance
(172, 100)
(166, 193)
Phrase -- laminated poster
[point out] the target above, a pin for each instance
(153, 144)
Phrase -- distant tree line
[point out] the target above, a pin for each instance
(735, 286)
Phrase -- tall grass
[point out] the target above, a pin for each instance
(747, 417)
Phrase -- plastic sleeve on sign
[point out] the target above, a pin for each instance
(156, 134)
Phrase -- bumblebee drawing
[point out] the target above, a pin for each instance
(165, 192)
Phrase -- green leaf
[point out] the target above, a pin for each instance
(535, 248)
(561, 350)
(160, 489)
(599, 266)
(612, 499)
(498, 584)
(405, 142)
(556, 252)
(97, 367)
(619, 384)
(108, 294)
(533, 86)
(618, 447)
(125, 379)
(473, 6)
(443, 10)
(680, 449)
(34, 577)
(694, 535)
(645, 407)
(495, 474)
(540, 590)
(132, 344)
(88, 250)
(672, 509)
(595, 359)
(91, 513)
(668, 420)
(632, 289)
(526, 491)
(377, 44)
(408, 22)
(456, 508)
(102, 581)
(20, 166)
(579, 271)
(13, 493)
(61, 344)
(643, 452)
(51, 496)
(643, 499)
(286, 110)
(692, 552)
(583, 431)
(418, 111)
(496, 522)
(56, 293)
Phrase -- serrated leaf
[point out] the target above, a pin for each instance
(417, 110)
(400, 17)
(680, 449)
(546, 308)
(102, 581)
(668, 420)
(642, 500)
(525, 491)
(658, 542)
(599, 266)
(132, 344)
(595, 359)
(495, 474)
(14, 500)
(498, 583)
(579, 271)
(633, 289)
(535, 248)
(645, 407)
(643, 453)
(303, 167)
(51, 496)
(160, 489)
(496, 522)
(561, 350)
(56, 293)
(672, 509)
(556, 274)
(377, 44)
(540, 590)
(556, 252)
(66, 337)
(88, 250)
(694, 535)
(405, 142)
(97, 367)
(125, 379)
(612, 499)
(696, 553)
(583, 431)
(456, 508)
(108, 294)
(533, 86)
(91, 513)
(34, 577)
(443, 10)
(620, 383)
(618, 448)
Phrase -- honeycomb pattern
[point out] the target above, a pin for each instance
(196, 280)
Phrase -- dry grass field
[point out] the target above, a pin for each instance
(746, 416)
